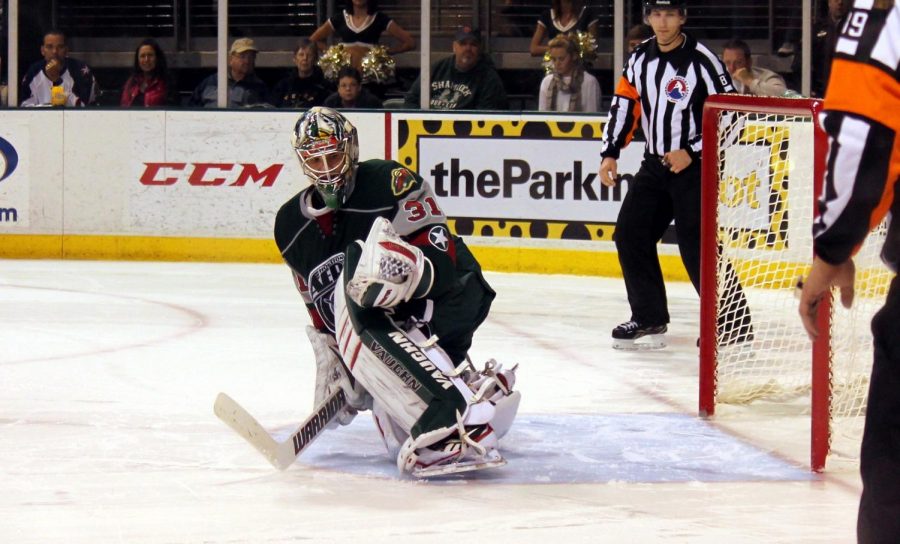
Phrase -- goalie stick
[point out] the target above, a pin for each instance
(280, 454)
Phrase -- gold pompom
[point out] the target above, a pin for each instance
(587, 47)
(547, 63)
(334, 58)
(378, 66)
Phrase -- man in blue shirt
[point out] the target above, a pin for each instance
(245, 88)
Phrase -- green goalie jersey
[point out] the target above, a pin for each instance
(313, 243)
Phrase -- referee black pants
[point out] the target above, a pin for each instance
(879, 507)
(655, 197)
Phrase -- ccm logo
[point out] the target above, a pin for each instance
(205, 173)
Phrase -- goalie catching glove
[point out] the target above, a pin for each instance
(390, 271)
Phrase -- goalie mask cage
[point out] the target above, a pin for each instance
(763, 167)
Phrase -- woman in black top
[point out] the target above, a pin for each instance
(359, 27)
(563, 17)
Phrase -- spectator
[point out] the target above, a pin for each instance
(749, 79)
(305, 87)
(244, 86)
(350, 93)
(636, 35)
(569, 87)
(58, 80)
(465, 81)
(150, 84)
(563, 17)
(359, 27)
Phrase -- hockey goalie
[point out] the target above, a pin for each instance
(395, 299)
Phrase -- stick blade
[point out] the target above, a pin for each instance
(234, 415)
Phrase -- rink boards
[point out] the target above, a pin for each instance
(205, 185)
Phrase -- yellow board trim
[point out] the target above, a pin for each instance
(159, 248)
(138, 248)
(564, 261)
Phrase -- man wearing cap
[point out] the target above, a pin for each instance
(244, 86)
(465, 81)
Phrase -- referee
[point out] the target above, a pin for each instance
(862, 187)
(664, 85)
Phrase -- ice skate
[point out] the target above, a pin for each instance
(626, 334)
(473, 449)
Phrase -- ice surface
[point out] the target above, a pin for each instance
(578, 449)
(108, 372)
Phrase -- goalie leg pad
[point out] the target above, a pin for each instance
(495, 384)
(472, 443)
(505, 410)
(331, 375)
(447, 425)
(393, 435)
(396, 372)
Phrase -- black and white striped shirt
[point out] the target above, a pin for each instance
(861, 119)
(666, 92)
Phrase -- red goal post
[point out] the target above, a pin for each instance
(738, 130)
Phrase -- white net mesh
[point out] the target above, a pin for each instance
(765, 213)
(851, 345)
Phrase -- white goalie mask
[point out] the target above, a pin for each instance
(327, 146)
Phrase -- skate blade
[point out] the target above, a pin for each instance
(456, 468)
(644, 343)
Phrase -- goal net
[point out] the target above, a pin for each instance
(762, 172)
